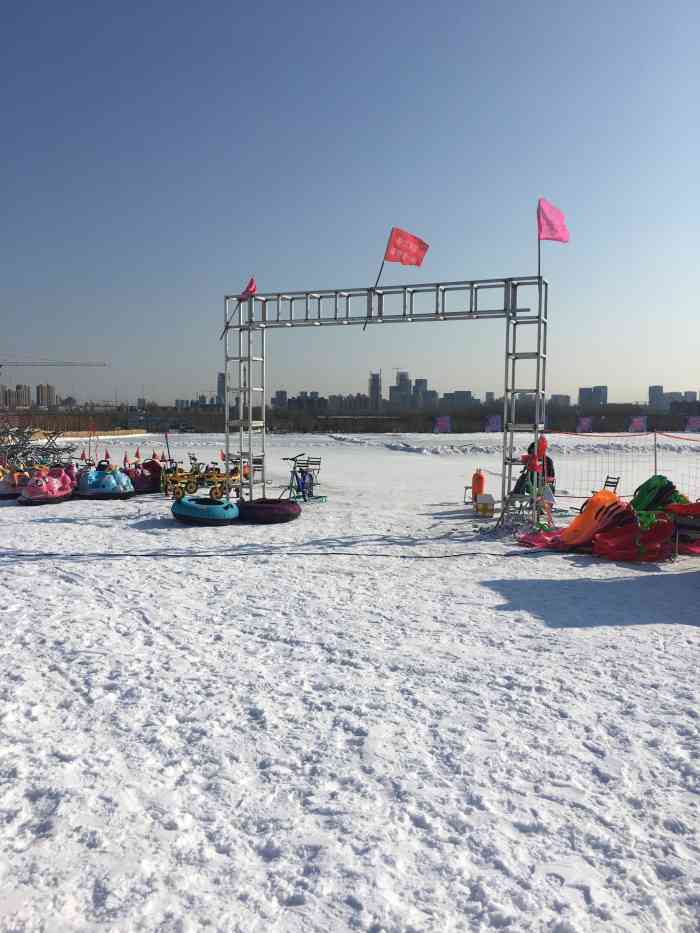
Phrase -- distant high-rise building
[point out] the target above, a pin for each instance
(221, 388)
(585, 396)
(403, 381)
(600, 396)
(461, 398)
(23, 397)
(279, 399)
(490, 398)
(45, 396)
(420, 388)
(400, 394)
(656, 396)
(375, 391)
(690, 396)
(141, 403)
(560, 401)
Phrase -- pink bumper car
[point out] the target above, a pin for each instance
(145, 476)
(47, 486)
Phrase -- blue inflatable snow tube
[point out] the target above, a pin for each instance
(196, 510)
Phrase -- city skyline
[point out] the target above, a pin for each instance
(45, 394)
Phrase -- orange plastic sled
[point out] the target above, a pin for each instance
(602, 510)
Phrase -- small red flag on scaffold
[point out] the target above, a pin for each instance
(550, 222)
(250, 289)
(405, 248)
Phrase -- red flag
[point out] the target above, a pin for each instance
(83, 455)
(126, 458)
(154, 456)
(222, 456)
(249, 290)
(137, 455)
(405, 248)
(106, 454)
(550, 222)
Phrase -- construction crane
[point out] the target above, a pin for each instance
(45, 363)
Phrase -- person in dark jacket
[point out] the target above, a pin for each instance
(548, 467)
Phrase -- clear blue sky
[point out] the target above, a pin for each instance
(155, 155)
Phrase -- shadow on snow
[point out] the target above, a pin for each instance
(654, 599)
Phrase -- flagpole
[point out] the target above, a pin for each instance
(379, 275)
(539, 256)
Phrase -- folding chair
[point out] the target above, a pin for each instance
(611, 483)
(312, 467)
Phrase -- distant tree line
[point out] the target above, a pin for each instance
(611, 418)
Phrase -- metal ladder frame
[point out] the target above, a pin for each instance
(244, 374)
(537, 354)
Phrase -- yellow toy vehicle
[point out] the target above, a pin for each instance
(176, 481)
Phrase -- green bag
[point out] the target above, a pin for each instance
(654, 494)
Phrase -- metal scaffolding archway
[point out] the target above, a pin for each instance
(522, 301)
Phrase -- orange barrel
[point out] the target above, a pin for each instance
(478, 483)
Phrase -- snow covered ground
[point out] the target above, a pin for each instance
(375, 718)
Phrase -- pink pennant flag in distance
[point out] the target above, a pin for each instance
(405, 248)
(250, 289)
(126, 458)
(137, 455)
(154, 456)
(83, 455)
(106, 454)
(550, 222)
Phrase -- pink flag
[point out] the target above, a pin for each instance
(126, 459)
(154, 456)
(137, 455)
(249, 290)
(550, 222)
(83, 455)
(106, 454)
(405, 248)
